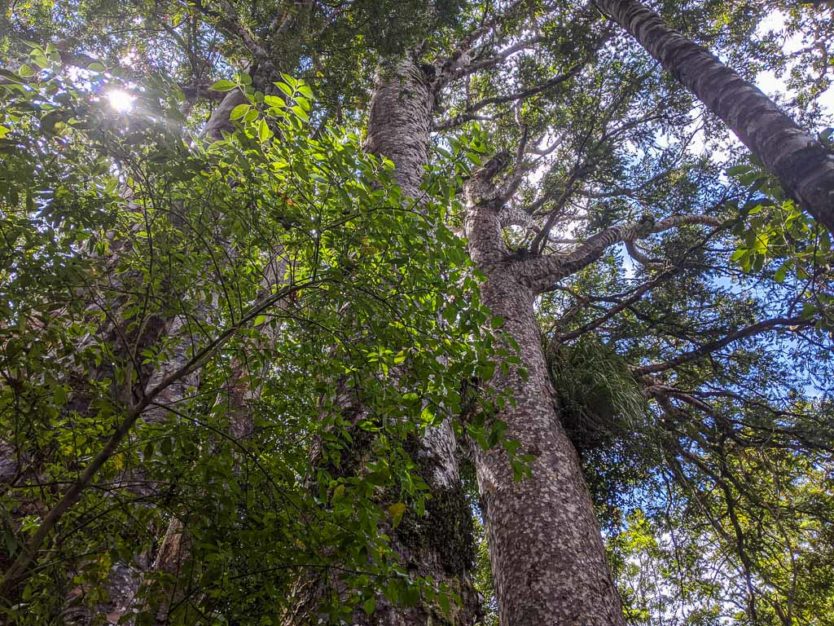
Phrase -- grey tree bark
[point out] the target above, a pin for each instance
(547, 555)
(803, 165)
(399, 122)
(398, 128)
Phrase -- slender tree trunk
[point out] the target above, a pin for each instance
(804, 166)
(548, 558)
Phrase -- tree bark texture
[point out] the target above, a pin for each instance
(440, 545)
(400, 122)
(547, 555)
(803, 165)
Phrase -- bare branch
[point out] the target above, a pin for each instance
(713, 346)
(636, 295)
(469, 113)
(541, 272)
(457, 59)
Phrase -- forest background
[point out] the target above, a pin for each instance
(416, 312)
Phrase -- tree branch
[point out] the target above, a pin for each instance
(636, 295)
(712, 346)
(541, 272)
(470, 111)
(484, 203)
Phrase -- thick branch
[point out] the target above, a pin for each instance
(483, 214)
(492, 61)
(541, 272)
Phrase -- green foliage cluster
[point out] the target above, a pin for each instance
(285, 261)
(116, 225)
(598, 396)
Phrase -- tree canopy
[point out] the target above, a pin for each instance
(252, 368)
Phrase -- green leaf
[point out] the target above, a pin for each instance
(369, 605)
(223, 85)
(300, 113)
(396, 511)
(286, 89)
(239, 111)
(780, 274)
(738, 170)
(275, 102)
(264, 132)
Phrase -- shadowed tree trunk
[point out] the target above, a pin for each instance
(398, 128)
(547, 555)
(237, 395)
(400, 122)
(440, 546)
(804, 166)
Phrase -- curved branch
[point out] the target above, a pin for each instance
(542, 272)
(709, 348)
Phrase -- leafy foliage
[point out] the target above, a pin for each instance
(116, 225)
(315, 322)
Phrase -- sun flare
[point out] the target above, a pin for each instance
(120, 100)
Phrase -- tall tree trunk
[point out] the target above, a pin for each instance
(238, 397)
(804, 166)
(400, 122)
(548, 558)
(439, 546)
(398, 128)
